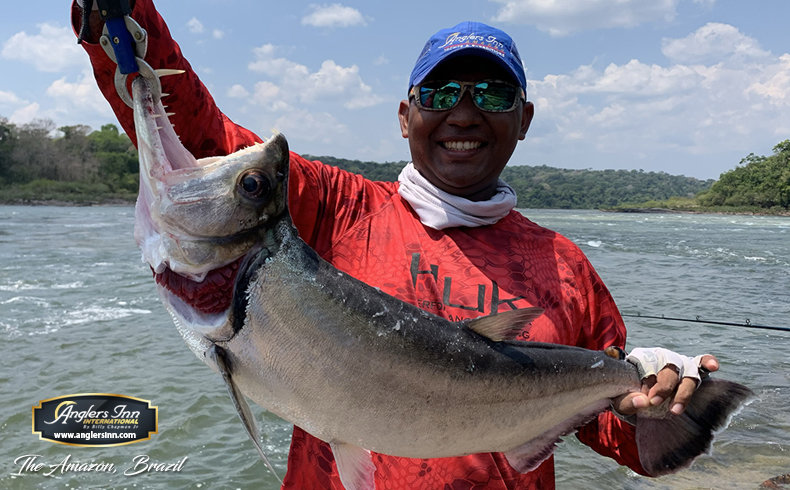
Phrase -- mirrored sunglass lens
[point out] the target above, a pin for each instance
(439, 96)
(492, 96)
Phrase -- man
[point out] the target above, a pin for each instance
(445, 237)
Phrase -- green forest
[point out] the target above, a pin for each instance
(549, 187)
(78, 165)
(42, 164)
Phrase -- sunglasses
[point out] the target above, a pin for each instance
(487, 95)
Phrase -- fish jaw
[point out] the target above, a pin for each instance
(160, 153)
(196, 220)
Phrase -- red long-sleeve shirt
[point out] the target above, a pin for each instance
(367, 230)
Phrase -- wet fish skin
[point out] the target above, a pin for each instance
(397, 380)
(356, 367)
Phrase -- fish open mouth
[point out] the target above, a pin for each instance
(211, 296)
(196, 220)
(200, 297)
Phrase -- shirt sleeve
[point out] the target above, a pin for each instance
(325, 201)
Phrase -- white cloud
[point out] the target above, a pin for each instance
(66, 102)
(331, 82)
(562, 18)
(268, 95)
(238, 91)
(736, 96)
(775, 86)
(638, 79)
(82, 93)
(195, 26)
(9, 99)
(713, 41)
(306, 126)
(77, 101)
(267, 64)
(26, 114)
(335, 15)
(53, 49)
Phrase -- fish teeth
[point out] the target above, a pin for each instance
(165, 72)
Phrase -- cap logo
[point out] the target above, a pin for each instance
(490, 43)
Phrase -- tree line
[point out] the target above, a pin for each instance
(549, 187)
(41, 163)
(72, 163)
(757, 181)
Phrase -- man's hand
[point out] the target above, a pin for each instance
(664, 374)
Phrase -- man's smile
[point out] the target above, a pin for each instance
(461, 145)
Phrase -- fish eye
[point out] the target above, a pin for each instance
(254, 185)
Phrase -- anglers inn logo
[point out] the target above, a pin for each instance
(95, 419)
(456, 40)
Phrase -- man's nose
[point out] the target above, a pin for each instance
(465, 113)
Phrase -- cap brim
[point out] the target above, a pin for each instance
(423, 74)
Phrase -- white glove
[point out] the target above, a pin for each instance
(650, 361)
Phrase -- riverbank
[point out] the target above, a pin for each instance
(64, 203)
(49, 193)
(702, 210)
(114, 200)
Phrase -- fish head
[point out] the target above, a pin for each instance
(197, 219)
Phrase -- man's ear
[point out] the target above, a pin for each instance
(528, 110)
(403, 117)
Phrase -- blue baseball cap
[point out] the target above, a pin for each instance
(469, 38)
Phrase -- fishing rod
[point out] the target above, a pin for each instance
(698, 319)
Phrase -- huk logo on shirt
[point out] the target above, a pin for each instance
(95, 419)
(489, 297)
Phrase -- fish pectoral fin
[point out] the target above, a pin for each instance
(354, 465)
(530, 455)
(220, 358)
(505, 325)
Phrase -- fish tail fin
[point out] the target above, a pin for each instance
(669, 442)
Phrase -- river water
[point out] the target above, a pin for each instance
(79, 314)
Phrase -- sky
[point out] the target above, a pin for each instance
(687, 87)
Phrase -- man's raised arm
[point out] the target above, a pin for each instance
(203, 128)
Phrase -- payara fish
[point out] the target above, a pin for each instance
(349, 364)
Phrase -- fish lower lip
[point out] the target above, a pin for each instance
(209, 296)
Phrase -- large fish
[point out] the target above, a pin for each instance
(349, 364)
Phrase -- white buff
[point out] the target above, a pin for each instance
(439, 209)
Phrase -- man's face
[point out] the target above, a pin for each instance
(463, 150)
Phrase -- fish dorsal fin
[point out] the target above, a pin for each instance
(505, 325)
